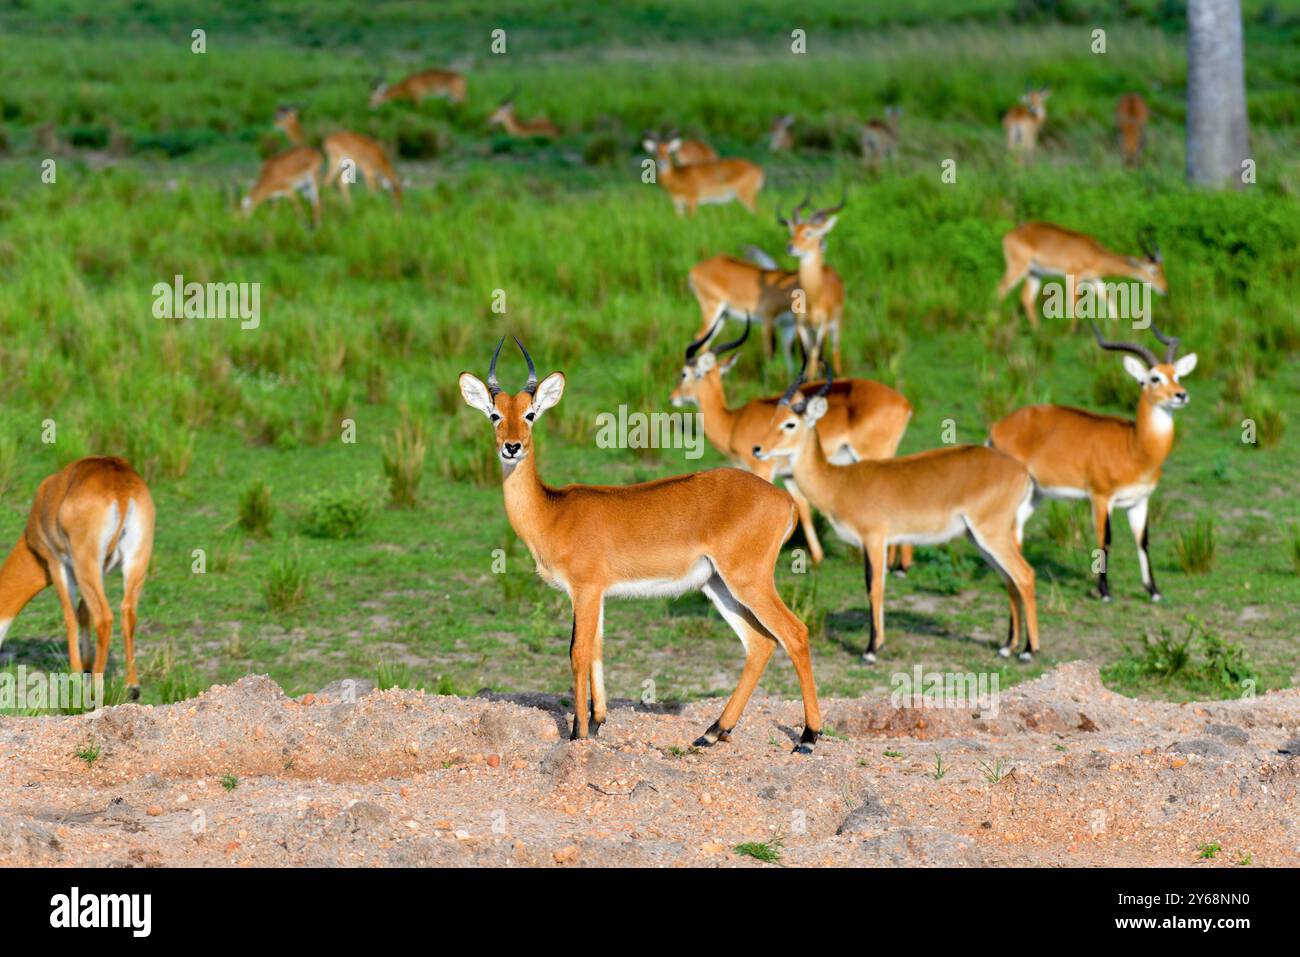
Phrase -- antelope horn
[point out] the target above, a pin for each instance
(1170, 343)
(531, 385)
(830, 378)
(800, 380)
(802, 206)
(699, 343)
(821, 214)
(493, 385)
(736, 343)
(1142, 352)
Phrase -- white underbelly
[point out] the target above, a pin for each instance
(700, 572)
(717, 198)
(1130, 495)
(954, 528)
(1061, 491)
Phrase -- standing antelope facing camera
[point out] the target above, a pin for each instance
(711, 182)
(1035, 250)
(1131, 117)
(808, 301)
(880, 137)
(719, 531)
(922, 499)
(864, 420)
(1023, 121)
(88, 518)
(1111, 461)
(446, 84)
(504, 116)
(365, 154)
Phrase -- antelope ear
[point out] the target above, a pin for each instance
(827, 226)
(1185, 365)
(1134, 367)
(648, 145)
(675, 145)
(476, 394)
(729, 364)
(705, 362)
(815, 409)
(548, 392)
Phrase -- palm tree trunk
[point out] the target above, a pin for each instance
(1217, 142)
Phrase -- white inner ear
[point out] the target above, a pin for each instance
(816, 408)
(1134, 367)
(648, 145)
(674, 145)
(476, 394)
(705, 362)
(1185, 365)
(728, 365)
(548, 392)
(827, 226)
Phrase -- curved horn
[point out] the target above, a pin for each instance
(1142, 352)
(800, 380)
(802, 206)
(830, 379)
(735, 343)
(699, 343)
(1170, 343)
(493, 385)
(821, 214)
(531, 385)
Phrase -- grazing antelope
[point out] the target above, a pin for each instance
(1035, 250)
(922, 499)
(88, 518)
(779, 137)
(504, 116)
(1023, 121)
(1111, 461)
(710, 182)
(720, 531)
(364, 153)
(808, 301)
(446, 84)
(1131, 117)
(880, 137)
(287, 174)
(864, 420)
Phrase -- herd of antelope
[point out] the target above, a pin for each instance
(831, 442)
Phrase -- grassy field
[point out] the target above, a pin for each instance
(310, 574)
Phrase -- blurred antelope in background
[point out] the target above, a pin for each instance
(864, 420)
(688, 152)
(88, 518)
(880, 137)
(823, 291)
(446, 84)
(296, 170)
(709, 182)
(365, 154)
(1131, 116)
(779, 137)
(719, 531)
(1023, 121)
(1110, 461)
(505, 117)
(922, 499)
(1035, 250)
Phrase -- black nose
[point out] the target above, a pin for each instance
(1182, 396)
(512, 448)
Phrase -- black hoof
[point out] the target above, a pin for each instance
(1156, 596)
(712, 736)
(806, 742)
(802, 749)
(134, 692)
(702, 742)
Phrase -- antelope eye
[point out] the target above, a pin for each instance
(495, 417)
(530, 416)
(788, 426)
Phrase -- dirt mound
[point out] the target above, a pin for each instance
(1056, 771)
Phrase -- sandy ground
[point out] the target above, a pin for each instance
(1085, 777)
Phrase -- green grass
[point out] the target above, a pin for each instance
(769, 852)
(372, 317)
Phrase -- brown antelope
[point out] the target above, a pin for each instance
(864, 420)
(880, 137)
(779, 137)
(689, 152)
(720, 531)
(88, 518)
(362, 152)
(1131, 117)
(1035, 250)
(287, 174)
(1111, 461)
(446, 84)
(711, 182)
(1023, 121)
(922, 499)
(808, 301)
(504, 116)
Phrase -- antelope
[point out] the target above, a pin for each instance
(1023, 121)
(880, 137)
(1035, 250)
(710, 182)
(864, 420)
(446, 84)
(504, 116)
(922, 499)
(365, 154)
(296, 170)
(808, 301)
(1111, 461)
(1131, 117)
(88, 518)
(719, 531)
(689, 152)
(779, 137)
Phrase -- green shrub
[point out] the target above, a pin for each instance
(286, 583)
(256, 511)
(1196, 545)
(340, 513)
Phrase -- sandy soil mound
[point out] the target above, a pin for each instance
(1061, 772)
